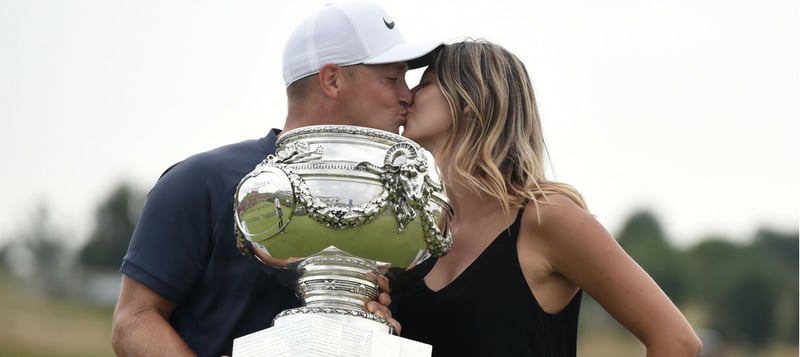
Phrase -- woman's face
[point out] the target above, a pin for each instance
(429, 119)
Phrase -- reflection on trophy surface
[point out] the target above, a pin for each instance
(351, 201)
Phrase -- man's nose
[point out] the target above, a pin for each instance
(405, 95)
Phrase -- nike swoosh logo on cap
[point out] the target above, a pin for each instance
(390, 25)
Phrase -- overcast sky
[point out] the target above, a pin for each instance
(686, 107)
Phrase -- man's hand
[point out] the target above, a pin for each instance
(381, 306)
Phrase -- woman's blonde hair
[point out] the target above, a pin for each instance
(496, 145)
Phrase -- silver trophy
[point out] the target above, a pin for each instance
(349, 201)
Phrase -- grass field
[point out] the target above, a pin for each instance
(34, 326)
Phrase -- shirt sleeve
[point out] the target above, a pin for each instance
(171, 243)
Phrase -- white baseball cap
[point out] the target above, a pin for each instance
(345, 34)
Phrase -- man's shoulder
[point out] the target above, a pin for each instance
(247, 150)
(243, 155)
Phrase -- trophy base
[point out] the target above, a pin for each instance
(318, 336)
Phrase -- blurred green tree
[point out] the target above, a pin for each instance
(750, 290)
(743, 291)
(4, 252)
(38, 255)
(779, 252)
(746, 314)
(115, 221)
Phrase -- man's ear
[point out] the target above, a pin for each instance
(330, 79)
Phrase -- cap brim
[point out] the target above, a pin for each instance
(416, 54)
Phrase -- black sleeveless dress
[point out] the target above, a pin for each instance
(486, 311)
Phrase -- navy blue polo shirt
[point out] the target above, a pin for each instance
(184, 249)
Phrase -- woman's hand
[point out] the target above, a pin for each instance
(381, 306)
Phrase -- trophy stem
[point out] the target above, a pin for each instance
(338, 284)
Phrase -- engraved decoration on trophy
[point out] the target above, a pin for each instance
(351, 201)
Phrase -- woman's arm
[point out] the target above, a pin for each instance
(579, 248)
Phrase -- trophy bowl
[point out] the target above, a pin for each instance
(349, 201)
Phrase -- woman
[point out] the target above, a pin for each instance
(525, 248)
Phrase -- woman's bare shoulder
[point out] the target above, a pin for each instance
(553, 210)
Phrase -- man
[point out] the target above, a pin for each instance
(186, 288)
